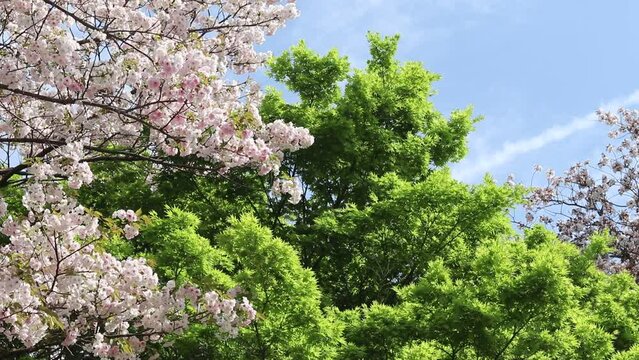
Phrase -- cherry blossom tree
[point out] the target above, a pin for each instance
(591, 198)
(159, 81)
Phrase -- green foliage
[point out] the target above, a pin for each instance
(291, 324)
(313, 77)
(514, 299)
(179, 253)
(374, 332)
(120, 185)
(421, 350)
(12, 195)
(376, 206)
(360, 255)
(631, 354)
(282, 290)
(383, 121)
(213, 199)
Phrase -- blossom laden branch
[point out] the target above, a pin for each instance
(136, 80)
(591, 198)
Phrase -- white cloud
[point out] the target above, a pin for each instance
(510, 150)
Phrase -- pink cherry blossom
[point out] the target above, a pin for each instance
(82, 82)
(590, 198)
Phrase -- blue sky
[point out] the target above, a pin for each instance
(536, 70)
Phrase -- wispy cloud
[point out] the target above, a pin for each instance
(511, 150)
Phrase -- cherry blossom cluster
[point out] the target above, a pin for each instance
(130, 217)
(282, 187)
(141, 80)
(590, 198)
(66, 161)
(58, 290)
(81, 81)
